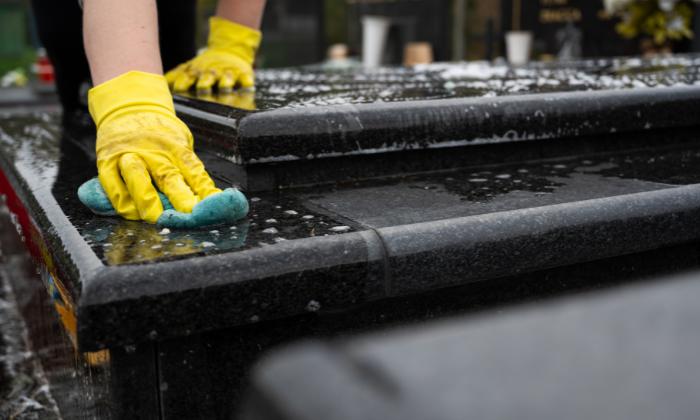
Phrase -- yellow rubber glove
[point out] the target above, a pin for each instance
(140, 139)
(227, 60)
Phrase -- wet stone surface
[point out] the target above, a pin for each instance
(35, 146)
(420, 198)
(24, 391)
(310, 87)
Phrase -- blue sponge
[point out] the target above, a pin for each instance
(224, 207)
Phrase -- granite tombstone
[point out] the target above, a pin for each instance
(561, 26)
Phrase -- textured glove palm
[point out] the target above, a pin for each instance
(227, 61)
(141, 141)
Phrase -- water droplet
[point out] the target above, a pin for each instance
(270, 231)
(340, 228)
(165, 231)
(313, 306)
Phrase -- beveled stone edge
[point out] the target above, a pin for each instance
(538, 238)
(454, 122)
(122, 295)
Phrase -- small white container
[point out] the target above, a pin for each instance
(519, 47)
(374, 33)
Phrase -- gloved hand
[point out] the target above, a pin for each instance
(140, 139)
(227, 60)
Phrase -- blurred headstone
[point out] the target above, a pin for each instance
(293, 33)
(411, 21)
(571, 29)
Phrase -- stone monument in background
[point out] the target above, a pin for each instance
(570, 29)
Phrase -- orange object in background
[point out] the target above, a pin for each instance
(417, 53)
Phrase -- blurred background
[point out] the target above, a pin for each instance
(416, 31)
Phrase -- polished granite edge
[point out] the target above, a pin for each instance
(145, 302)
(627, 353)
(46, 231)
(137, 303)
(501, 244)
(356, 129)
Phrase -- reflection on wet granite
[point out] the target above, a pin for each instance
(311, 86)
(273, 218)
(35, 145)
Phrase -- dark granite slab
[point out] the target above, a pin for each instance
(630, 353)
(337, 246)
(301, 116)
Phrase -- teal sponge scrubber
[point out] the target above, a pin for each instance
(220, 208)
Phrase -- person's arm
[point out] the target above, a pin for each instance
(121, 36)
(244, 12)
(140, 141)
(227, 62)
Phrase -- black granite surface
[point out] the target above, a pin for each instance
(229, 355)
(310, 114)
(617, 355)
(310, 87)
(339, 245)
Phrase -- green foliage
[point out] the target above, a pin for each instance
(644, 17)
(23, 61)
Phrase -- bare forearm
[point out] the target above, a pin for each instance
(120, 36)
(245, 12)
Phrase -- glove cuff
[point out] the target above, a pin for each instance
(126, 91)
(233, 38)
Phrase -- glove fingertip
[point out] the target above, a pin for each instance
(246, 80)
(183, 83)
(205, 85)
